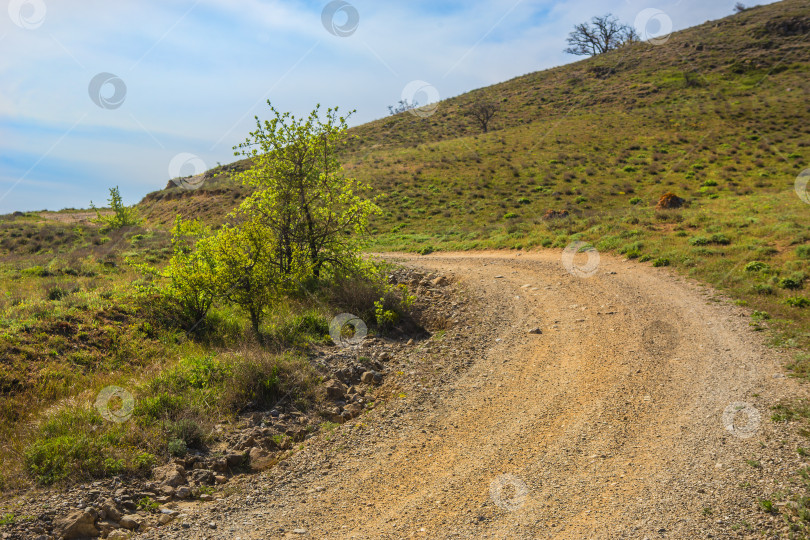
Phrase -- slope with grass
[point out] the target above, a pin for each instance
(717, 114)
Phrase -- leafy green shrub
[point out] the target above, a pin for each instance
(629, 169)
(427, 250)
(710, 182)
(632, 251)
(645, 258)
(718, 239)
(177, 447)
(803, 252)
(797, 301)
(764, 289)
(56, 293)
(635, 200)
(386, 318)
(510, 215)
(767, 506)
(661, 261)
(756, 266)
(524, 200)
(36, 271)
(794, 281)
(146, 504)
(699, 241)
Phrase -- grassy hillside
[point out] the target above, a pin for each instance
(717, 115)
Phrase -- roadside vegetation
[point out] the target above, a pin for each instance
(123, 345)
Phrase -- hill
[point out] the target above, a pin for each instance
(716, 114)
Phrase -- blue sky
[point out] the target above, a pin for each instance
(191, 75)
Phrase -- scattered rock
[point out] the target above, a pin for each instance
(106, 526)
(372, 377)
(202, 477)
(536, 331)
(110, 510)
(131, 521)
(77, 524)
(170, 475)
(354, 409)
(260, 459)
(119, 535)
(335, 390)
(182, 492)
(234, 459)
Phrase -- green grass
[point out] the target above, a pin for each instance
(78, 322)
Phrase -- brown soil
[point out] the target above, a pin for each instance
(609, 424)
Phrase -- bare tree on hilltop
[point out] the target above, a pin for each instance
(403, 106)
(599, 36)
(482, 112)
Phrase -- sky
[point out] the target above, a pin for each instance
(95, 94)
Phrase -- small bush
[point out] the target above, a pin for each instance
(146, 504)
(427, 250)
(386, 318)
(767, 506)
(56, 293)
(635, 200)
(761, 288)
(177, 448)
(661, 261)
(699, 241)
(792, 282)
(803, 252)
(187, 430)
(756, 266)
(718, 239)
(798, 301)
(632, 251)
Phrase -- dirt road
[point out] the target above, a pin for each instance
(609, 424)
